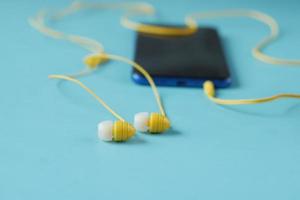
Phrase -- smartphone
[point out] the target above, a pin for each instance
(185, 61)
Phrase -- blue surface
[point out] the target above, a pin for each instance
(48, 144)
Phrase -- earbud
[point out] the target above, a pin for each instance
(151, 122)
(115, 131)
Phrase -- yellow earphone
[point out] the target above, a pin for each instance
(119, 130)
(144, 122)
(153, 122)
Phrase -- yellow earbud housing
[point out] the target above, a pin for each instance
(118, 131)
(122, 131)
(158, 123)
(153, 122)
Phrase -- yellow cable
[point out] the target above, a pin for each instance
(101, 101)
(135, 9)
(98, 56)
(209, 90)
(39, 24)
(147, 76)
(96, 59)
(259, 16)
(157, 30)
(208, 86)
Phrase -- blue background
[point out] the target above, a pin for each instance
(48, 143)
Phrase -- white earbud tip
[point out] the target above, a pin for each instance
(105, 130)
(141, 121)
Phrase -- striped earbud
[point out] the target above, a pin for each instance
(151, 122)
(115, 131)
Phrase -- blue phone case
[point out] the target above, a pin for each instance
(179, 81)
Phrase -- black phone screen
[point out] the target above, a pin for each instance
(196, 56)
